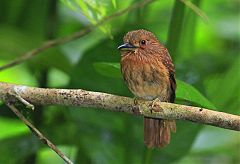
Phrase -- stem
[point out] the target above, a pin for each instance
(175, 28)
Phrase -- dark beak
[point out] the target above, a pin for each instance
(127, 47)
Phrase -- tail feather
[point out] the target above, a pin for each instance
(157, 132)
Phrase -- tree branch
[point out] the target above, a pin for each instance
(82, 98)
(52, 43)
(39, 134)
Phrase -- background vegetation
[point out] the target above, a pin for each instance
(204, 45)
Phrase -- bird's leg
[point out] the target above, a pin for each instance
(154, 101)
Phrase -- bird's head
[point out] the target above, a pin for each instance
(139, 42)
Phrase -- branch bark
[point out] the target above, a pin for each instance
(83, 98)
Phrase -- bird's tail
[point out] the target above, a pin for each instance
(157, 132)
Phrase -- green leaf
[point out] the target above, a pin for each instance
(187, 92)
(196, 9)
(108, 69)
(82, 5)
(114, 3)
(69, 4)
(184, 91)
(226, 85)
(94, 11)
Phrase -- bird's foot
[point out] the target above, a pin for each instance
(154, 106)
(154, 102)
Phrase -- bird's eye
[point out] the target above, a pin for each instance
(143, 42)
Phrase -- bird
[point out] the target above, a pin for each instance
(149, 73)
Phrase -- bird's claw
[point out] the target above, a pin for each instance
(153, 106)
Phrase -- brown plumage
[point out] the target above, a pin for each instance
(149, 73)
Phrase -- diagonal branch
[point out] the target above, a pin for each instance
(39, 134)
(82, 98)
(52, 43)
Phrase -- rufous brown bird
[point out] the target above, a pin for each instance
(149, 73)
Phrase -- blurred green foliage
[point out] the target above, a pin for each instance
(205, 53)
